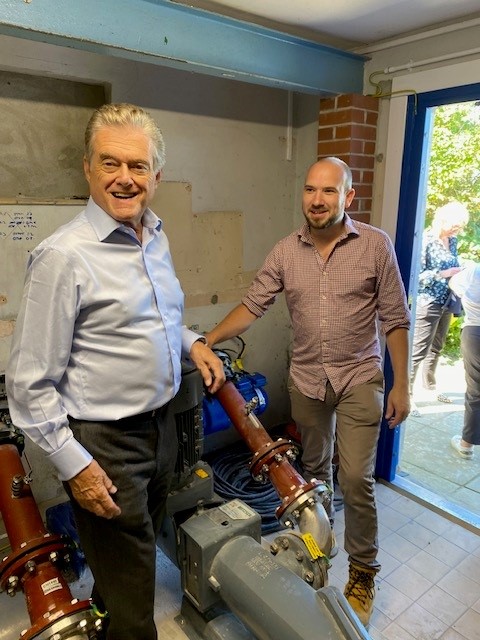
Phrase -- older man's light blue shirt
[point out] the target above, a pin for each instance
(99, 333)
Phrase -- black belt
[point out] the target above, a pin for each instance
(132, 420)
(143, 417)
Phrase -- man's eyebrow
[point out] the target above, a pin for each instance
(110, 156)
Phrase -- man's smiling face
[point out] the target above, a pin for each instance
(121, 173)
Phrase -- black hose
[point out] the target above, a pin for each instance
(232, 479)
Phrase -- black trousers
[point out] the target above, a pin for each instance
(432, 322)
(139, 456)
(470, 342)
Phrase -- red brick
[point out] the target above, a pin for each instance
(328, 103)
(339, 148)
(362, 162)
(357, 131)
(363, 190)
(361, 217)
(326, 133)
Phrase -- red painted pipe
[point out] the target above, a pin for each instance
(31, 565)
(268, 456)
(22, 519)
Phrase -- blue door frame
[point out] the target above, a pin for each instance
(409, 227)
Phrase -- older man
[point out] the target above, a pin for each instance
(96, 359)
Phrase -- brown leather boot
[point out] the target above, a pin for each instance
(360, 591)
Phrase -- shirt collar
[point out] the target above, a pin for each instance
(104, 225)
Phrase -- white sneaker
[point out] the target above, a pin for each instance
(465, 452)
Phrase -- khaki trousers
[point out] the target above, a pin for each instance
(353, 419)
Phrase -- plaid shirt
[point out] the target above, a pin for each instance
(334, 305)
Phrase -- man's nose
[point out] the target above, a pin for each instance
(124, 175)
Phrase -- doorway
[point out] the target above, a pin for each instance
(418, 457)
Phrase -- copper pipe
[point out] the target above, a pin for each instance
(22, 519)
(269, 458)
(32, 563)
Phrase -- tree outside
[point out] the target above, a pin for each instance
(454, 174)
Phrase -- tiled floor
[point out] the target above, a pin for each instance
(428, 588)
(429, 585)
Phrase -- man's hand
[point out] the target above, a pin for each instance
(209, 365)
(93, 490)
(398, 405)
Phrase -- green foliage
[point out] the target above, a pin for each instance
(451, 350)
(454, 171)
(454, 174)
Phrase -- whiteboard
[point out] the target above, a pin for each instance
(22, 228)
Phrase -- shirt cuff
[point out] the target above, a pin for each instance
(188, 338)
(70, 459)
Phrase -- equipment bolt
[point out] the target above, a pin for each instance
(299, 556)
(288, 524)
(284, 543)
(309, 577)
(81, 626)
(98, 624)
(278, 457)
(274, 548)
(30, 566)
(74, 601)
(53, 557)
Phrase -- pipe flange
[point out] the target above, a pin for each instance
(76, 622)
(264, 455)
(291, 551)
(307, 496)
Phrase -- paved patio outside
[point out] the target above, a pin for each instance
(427, 458)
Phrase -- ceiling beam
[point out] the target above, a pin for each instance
(165, 33)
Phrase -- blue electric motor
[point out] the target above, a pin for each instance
(250, 385)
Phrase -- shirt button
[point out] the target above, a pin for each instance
(324, 297)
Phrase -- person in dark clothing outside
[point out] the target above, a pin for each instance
(435, 306)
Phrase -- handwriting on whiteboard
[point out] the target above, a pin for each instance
(17, 225)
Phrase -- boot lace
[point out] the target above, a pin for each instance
(361, 585)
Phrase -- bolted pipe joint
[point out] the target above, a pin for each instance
(17, 486)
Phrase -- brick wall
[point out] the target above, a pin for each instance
(348, 129)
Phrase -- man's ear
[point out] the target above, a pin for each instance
(86, 168)
(158, 177)
(349, 197)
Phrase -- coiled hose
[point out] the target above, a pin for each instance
(232, 479)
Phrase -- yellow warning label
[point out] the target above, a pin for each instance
(312, 546)
(201, 473)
